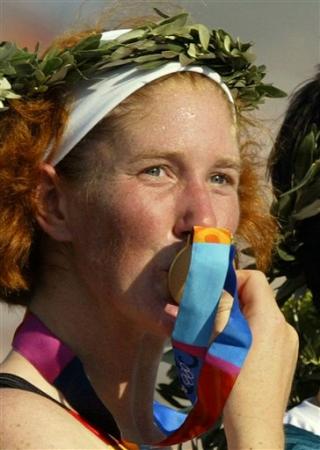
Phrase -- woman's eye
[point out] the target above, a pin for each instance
(155, 171)
(219, 178)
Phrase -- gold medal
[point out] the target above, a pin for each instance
(178, 271)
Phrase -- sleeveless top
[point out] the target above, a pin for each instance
(8, 380)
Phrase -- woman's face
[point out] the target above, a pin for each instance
(173, 167)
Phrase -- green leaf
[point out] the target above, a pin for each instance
(51, 65)
(151, 65)
(308, 211)
(41, 89)
(184, 59)
(285, 256)
(40, 76)
(4, 84)
(11, 95)
(243, 47)
(68, 58)
(110, 65)
(88, 43)
(148, 45)
(227, 43)
(175, 47)
(307, 200)
(145, 58)
(270, 91)
(7, 51)
(312, 172)
(121, 53)
(132, 35)
(303, 157)
(160, 13)
(236, 53)
(59, 75)
(171, 26)
(51, 53)
(285, 205)
(7, 69)
(24, 69)
(204, 35)
(192, 51)
(288, 287)
(250, 58)
(169, 54)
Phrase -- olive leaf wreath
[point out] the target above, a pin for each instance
(25, 74)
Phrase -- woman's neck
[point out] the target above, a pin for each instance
(125, 380)
(123, 375)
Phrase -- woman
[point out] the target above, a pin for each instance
(104, 183)
(294, 169)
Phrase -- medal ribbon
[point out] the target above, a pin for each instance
(207, 370)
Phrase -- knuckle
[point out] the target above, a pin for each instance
(292, 332)
(289, 333)
(257, 274)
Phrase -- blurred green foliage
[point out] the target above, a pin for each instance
(301, 313)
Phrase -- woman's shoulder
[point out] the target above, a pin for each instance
(30, 421)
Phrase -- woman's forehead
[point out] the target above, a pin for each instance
(169, 120)
(167, 104)
(180, 83)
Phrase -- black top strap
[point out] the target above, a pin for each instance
(9, 380)
(82, 399)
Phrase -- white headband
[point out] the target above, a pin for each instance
(94, 99)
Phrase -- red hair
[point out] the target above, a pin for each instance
(26, 130)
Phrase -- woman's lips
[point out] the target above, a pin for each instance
(172, 309)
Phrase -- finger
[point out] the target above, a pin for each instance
(257, 298)
(223, 313)
(253, 288)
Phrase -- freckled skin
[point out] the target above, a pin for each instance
(167, 172)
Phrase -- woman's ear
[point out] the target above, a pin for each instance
(52, 205)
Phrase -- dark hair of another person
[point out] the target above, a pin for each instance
(302, 115)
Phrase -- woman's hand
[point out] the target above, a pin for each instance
(254, 411)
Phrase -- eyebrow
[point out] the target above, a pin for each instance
(229, 163)
(155, 154)
(223, 162)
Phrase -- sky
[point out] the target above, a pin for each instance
(286, 36)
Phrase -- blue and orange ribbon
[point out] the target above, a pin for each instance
(207, 370)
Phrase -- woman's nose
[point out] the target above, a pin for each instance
(195, 208)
